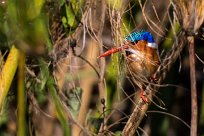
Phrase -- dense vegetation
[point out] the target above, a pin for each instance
(52, 83)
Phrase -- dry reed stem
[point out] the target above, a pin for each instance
(194, 106)
(102, 63)
(191, 16)
(100, 42)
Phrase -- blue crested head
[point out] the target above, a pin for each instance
(141, 35)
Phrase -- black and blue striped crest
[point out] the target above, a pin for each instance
(141, 35)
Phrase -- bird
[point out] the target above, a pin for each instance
(142, 58)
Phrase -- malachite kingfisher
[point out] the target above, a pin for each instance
(142, 58)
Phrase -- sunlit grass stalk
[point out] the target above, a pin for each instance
(58, 105)
(7, 73)
(21, 96)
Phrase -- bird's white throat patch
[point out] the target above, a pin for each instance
(152, 45)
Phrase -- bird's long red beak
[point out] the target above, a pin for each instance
(114, 50)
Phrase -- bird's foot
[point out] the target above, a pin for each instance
(143, 96)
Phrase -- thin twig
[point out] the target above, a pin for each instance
(89, 63)
(171, 115)
(194, 106)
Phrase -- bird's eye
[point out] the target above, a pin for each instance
(135, 42)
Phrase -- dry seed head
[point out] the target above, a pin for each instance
(190, 14)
